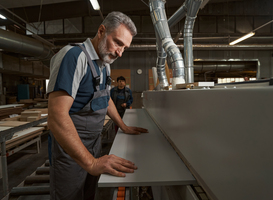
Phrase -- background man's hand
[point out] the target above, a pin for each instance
(134, 130)
(111, 164)
(123, 105)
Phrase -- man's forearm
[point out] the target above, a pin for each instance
(66, 135)
(113, 114)
(64, 130)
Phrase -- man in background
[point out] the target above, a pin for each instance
(121, 96)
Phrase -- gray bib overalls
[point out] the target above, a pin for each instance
(69, 181)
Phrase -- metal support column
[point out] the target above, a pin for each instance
(4, 168)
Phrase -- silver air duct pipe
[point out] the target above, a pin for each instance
(158, 15)
(188, 29)
(13, 42)
(160, 63)
(179, 14)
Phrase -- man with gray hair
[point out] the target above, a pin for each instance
(78, 100)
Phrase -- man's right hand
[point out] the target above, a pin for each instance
(111, 164)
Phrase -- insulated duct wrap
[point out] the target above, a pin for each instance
(158, 15)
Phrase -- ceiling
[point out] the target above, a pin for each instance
(33, 11)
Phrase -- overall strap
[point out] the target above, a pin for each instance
(92, 67)
(108, 78)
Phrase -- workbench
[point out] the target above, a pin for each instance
(6, 134)
(157, 162)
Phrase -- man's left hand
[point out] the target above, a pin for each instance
(134, 130)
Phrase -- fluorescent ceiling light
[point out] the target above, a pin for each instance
(2, 17)
(95, 4)
(242, 38)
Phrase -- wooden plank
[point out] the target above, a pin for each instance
(27, 101)
(17, 118)
(43, 110)
(21, 134)
(12, 123)
(5, 112)
(10, 106)
(2, 128)
(22, 140)
(43, 125)
(31, 113)
(32, 118)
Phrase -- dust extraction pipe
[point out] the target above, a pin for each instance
(160, 63)
(161, 54)
(13, 42)
(158, 15)
(179, 14)
(192, 11)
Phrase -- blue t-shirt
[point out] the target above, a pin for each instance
(74, 76)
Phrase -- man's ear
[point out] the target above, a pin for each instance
(101, 31)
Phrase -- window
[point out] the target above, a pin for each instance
(38, 25)
(232, 80)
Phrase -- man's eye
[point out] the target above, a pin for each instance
(118, 43)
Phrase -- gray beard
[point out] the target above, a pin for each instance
(104, 54)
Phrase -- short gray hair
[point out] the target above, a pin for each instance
(114, 19)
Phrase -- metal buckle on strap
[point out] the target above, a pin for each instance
(97, 80)
(109, 80)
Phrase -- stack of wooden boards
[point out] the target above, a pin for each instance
(37, 103)
(23, 136)
(41, 103)
(11, 123)
(25, 117)
(30, 115)
(7, 110)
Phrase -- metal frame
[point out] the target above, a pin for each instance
(4, 136)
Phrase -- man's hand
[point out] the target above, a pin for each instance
(123, 105)
(134, 130)
(111, 164)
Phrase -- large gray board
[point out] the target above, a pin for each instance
(225, 136)
(157, 162)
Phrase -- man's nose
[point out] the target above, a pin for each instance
(120, 51)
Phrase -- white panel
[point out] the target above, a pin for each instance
(157, 162)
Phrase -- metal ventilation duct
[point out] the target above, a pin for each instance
(225, 66)
(192, 11)
(158, 15)
(13, 42)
